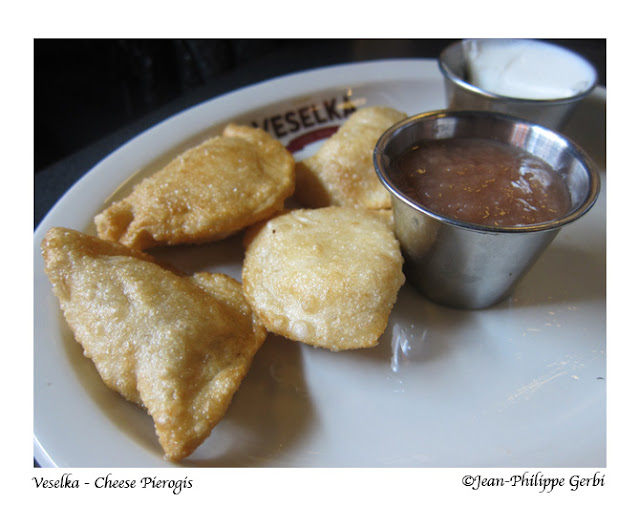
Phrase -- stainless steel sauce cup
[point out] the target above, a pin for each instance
(463, 95)
(462, 264)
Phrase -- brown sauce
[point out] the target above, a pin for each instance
(482, 181)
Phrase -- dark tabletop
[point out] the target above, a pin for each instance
(91, 96)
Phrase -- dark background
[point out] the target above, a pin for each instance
(91, 96)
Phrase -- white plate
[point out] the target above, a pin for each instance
(518, 385)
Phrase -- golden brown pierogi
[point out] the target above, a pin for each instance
(207, 193)
(327, 277)
(177, 345)
(341, 172)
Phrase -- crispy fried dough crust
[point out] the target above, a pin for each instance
(207, 193)
(177, 345)
(341, 172)
(327, 277)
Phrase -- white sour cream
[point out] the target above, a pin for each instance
(527, 69)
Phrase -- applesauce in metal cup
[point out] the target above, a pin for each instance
(461, 263)
(482, 181)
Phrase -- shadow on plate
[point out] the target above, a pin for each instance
(418, 331)
(128, 417)
(270, 412)
(562, 275)
(219, 256)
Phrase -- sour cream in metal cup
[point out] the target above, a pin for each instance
(530, 79)
(469, 265)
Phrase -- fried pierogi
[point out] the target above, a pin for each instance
(177, 345)
(326, 277)
(341, 172)
(207, 193)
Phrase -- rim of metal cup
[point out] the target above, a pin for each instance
(381, 161)
(448, 73)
